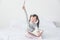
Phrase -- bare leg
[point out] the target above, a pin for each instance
(27, 34)
(31, 35)
(38, 34)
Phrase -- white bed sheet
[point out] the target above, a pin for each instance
(17, 28)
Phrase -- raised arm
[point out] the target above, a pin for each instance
(24, 8)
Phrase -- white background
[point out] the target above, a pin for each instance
(12, 10)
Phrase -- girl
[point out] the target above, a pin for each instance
(33, 24)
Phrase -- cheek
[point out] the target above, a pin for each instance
(31, 19)
(34, 19)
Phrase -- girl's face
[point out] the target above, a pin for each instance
(33, 19)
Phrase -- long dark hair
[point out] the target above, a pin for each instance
(34, 15)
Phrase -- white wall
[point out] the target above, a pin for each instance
(12, 9)
(54, 9)
(51, 9)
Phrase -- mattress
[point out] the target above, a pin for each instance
(17, 29)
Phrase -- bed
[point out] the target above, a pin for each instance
(17, 28)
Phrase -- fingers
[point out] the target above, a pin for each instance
(24, 6)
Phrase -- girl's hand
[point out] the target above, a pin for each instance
(24, 6)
